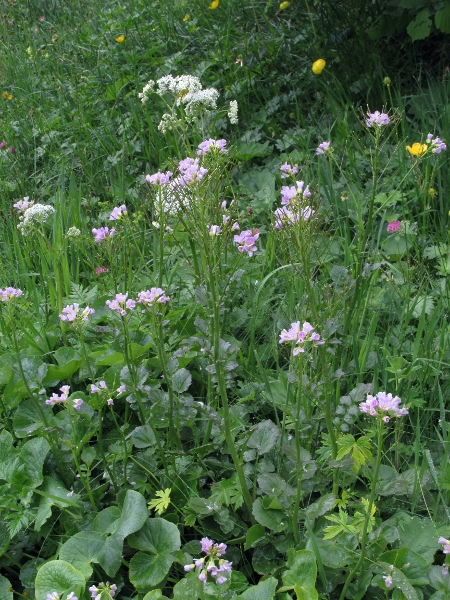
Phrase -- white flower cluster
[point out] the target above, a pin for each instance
(37, 214)
(233, 112)
(73, 232)
(168, 122)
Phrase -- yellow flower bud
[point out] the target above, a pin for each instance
(417, 149)
(318, 66)
(120, 39)
(186, 18)
(285, 5)
(214, 4)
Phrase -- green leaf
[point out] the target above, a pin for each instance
(153, 595)
(420, 27)
(442, 19)
(439, 581)
(28, 419)
(5, 589)
(334, 554)
(275, 520)
(265, 590)
(52, 490)
(158, 539)
(360, 450)
(161, 502)
(264, 437)
(106, 520)
(28, 473)
(143, 437)
(247, 151)
(133, 516)
(255, 534)
(301, 575)
(58, 576)
(8, 455)
(400, 581)
(113, 90)
(417, 571)
(189, 588)
(319, 508)
(81, 550)
(181, 380)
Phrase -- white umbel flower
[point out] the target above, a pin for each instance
(38, 214)
(233, 112)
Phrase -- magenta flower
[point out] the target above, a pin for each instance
(2, 144)
(151, 297)
(378, 119)
(324, 148)
(394, 226)
(382, 404)
(121, 304)
(211, 145)
(288, 169)
(73, 313)
(159, 178)
(101, 386)
(100, 270)
(9, 293)
(11, 150)
(248, 240)
(118, 212)
(100, 235)
(77, 403)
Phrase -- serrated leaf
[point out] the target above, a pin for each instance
(181, 380)
(264, 437)
(420, 27)
(58, 576)
(161, 502)
(360, 450)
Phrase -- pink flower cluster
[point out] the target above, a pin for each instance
(295, 192)
(300, 335)
(215, 230)
(55, 399)
(288, 169)
(210, 145)
(394, 226)
(73, 313)
(121, 304)
(9, 293)
(437, 145)
(446, 544)
(100, 235)
(191, 171)
(285, 216)
(103, 388)
(22, 205)
(247, 239)
(378, 119)
(118, 212)
(153, 296)
(324, 148)
(382, 404)
(97, 590)
(159, 178)
(215, 565)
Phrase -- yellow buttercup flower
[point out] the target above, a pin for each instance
(285, 5)
(214, 4)
(318, 66)
(7, 96)
(120, 39)
(186, 18)
(417, 149)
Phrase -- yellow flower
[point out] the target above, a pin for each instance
(186, 18)
(120, 39)
(214, 4)
(7, 96)
(284, 5)
(318, 66)
(417, 149)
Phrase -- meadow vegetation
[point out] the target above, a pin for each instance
(224, 297)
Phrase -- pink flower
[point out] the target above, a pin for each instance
(101, 234)
(394, 226)
(120, 304)
(3, 144)
(100, 270)
(11, 150)
(248, 240)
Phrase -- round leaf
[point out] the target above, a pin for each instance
(58, 576)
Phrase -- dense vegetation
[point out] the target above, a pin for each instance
(224, 343)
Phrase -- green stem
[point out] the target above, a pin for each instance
(362, 554)
(298, 448)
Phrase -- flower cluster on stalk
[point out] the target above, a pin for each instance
(121, 304)
(288, 170)
(211, 564)
(246, 241)
(98, 590)
(301, 335)
(383, 405)
(9, 293)
(102, 389)
(72, 313)
(36, 214)
(100, 235)
(118, 212)
(211, 146)
(152, 297)
(56, 596)
(377, 119)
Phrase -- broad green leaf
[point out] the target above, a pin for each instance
(28, 473)
(442, 19)
(256, 534)
(420, 27)
(52, 490)
(181, 380)
(133, 516)
(275, 520)
(189, 588)
(143, 437)
(264, 437)
(400, 581)
(28, 418)
(106, 520)
(153, 595)
(5, 589)
(319, 508)
(8, 455)
(58, 576)
(417, 533)
(333, 554)
(301, 574)
(81, 550)
(247, 151)
(439, 581)
(157, 539)
(418, 569)
(265, 590)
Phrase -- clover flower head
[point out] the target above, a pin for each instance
(118, 212)
(210, 146)
(152, 297)
(55, 399)
(100, 270)
(9, 293)
(100, 235)
(288, 169)
(22, 205)
(383, 405)
(377, 119)
(301, 336)
(72, 313)
(324, 148)
(121, 304)
(159, 178)
(247, 239)
(394, 226)
(233, 112)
